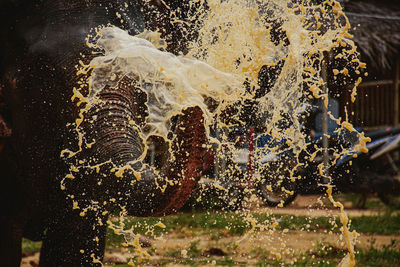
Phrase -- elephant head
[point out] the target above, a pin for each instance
(44, 42)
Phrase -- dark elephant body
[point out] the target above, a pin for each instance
(42, 45)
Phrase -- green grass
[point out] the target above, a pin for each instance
(224, 261)
(384, 225)
(235, 224)
(222, 220)
(219, 224)
(30, 247)
(386, 256)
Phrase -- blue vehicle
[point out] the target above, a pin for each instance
(267, 170)
(377, 171)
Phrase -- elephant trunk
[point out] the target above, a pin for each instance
(110, 124)
(116, 139)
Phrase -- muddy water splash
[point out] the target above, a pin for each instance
(237, 43)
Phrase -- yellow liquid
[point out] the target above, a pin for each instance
(235, 40)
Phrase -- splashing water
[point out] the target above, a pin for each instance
(237, 42)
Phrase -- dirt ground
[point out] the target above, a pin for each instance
(296, 242)
(289, 244)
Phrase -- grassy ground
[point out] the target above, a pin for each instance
(210, 238)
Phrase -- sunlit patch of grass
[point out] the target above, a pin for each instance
(30, 247)
(193, 250)
(226, 261)
(260, 253)
(384, 225)
(225, 224)
(222, 220)
(326, 256)
(321, 256)
(388, 255)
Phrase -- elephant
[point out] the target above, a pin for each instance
(42, 42)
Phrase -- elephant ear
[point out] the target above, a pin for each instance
(185, 165)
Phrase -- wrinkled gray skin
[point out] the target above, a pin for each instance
(42, 43)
